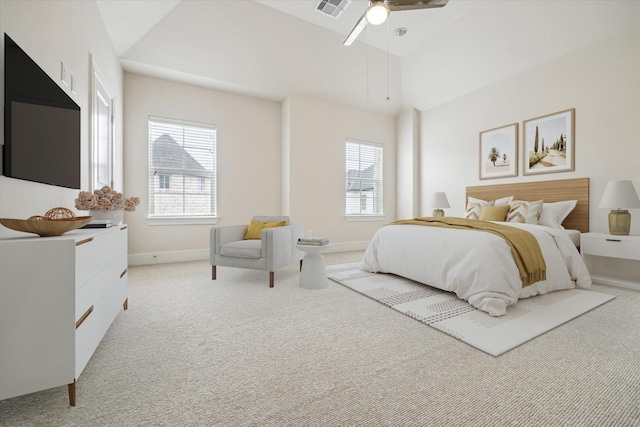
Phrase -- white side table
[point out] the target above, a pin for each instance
(314, 273)
(612, 260)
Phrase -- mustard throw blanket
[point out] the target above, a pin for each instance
(524, 246)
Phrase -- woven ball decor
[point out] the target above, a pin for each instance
(55, 222)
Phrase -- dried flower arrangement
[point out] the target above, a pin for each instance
(105, 199)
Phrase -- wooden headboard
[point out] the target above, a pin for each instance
(549, 191)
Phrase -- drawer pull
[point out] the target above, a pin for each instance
(84, 317)
(82, 242)
(124, 272)
(613, 240)
(124, 227)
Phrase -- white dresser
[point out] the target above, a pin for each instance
(612, 260)
(58, 297)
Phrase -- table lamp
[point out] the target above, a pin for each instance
(438, 201)
(619, 196)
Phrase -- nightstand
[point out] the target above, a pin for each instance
(612, 260)
(314, 273)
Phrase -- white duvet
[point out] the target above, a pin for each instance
(476, 265)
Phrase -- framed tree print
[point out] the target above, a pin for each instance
(549, 143)
(499, 152)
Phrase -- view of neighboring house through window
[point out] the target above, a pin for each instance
(182, 168)
(364, 179)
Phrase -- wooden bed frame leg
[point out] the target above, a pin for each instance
(72, 393)
(213, 272)
(271, 279)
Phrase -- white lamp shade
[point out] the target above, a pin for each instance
(438, 200)
(620, 195)
(377, 13)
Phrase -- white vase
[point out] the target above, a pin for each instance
(115, 216)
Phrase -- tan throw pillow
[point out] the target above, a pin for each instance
(525, 212)
(494, 213)
(474, 208)
(255, 228)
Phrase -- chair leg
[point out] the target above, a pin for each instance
(271, 279)
(213, 272)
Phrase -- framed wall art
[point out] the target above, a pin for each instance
(499, 152)
(549, 143)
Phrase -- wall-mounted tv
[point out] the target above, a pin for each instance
(41, 124)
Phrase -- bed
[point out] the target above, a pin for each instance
(479, 267)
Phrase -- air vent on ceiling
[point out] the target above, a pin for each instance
(332, 7)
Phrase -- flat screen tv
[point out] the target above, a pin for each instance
(41, 124)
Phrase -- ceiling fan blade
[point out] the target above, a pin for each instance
(397, 5)
(353, 35)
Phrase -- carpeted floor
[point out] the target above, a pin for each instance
(192, 352)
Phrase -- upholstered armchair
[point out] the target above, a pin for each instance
(275, 249)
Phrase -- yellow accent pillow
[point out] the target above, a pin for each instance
(255, 228)
(494, 213)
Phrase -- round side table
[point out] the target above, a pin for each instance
(313, 274)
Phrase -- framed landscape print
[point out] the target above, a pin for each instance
(499, 152)
(549, 143)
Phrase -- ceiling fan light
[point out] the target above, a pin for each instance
(377, 13)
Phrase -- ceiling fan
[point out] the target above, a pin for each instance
(379, 10)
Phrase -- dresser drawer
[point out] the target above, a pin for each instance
(99, 285)
(95, 253)
(610, 246)
(102, 312)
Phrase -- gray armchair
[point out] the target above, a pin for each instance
(275, 250)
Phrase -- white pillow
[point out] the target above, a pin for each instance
(553, 214)
(524, 212)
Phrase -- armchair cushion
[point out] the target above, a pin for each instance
(255, 228)
(243, 249)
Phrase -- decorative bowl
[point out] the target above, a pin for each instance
(48, 228)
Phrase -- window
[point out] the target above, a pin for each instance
(164, 182)
(364, 179)
(182, 169)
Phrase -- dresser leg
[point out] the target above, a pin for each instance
(72, 393)
(125, 304)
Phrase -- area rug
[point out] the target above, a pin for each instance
(525, 320)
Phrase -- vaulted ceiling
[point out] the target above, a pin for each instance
(277, 48)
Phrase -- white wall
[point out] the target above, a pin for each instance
(317, 132)
(273, 158)
(602, 83)
(248, 161)
(51, 32)
(408, 164)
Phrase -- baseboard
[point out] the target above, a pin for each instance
(348, 246)
(203, 254)
(167, 257)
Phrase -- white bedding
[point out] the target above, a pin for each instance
(476, 265)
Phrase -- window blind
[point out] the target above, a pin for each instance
(364, 190)
(182, 168)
